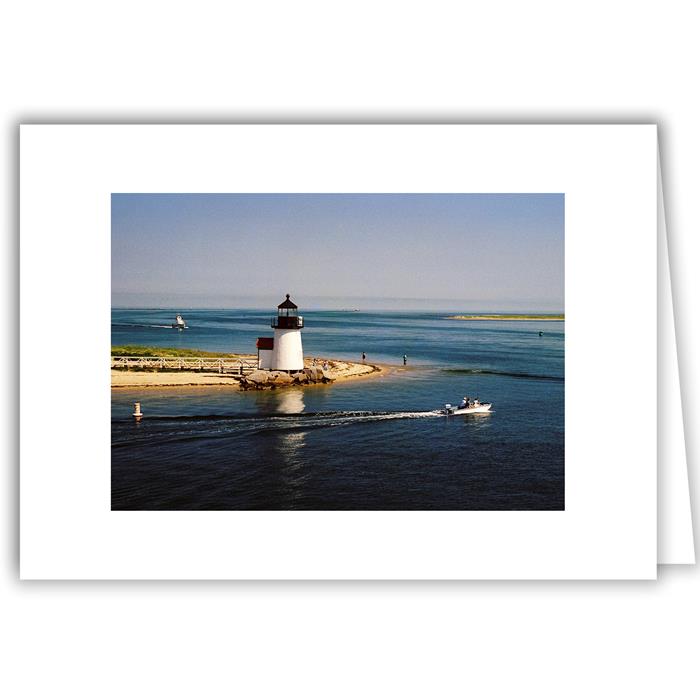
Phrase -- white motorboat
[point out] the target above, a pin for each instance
(467, 406)
(179, 322)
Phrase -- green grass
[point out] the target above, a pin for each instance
(148, 351)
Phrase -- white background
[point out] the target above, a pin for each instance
(509, 62)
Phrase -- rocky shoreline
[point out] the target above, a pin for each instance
(264, 379)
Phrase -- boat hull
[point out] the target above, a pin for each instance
(483, 408)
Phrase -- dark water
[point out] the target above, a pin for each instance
(375, 444)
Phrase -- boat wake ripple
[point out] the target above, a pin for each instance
(176, 429)
(308, 416)
(501, 373)
(141, 325)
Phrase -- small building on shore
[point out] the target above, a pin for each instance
(265, 347)
(284, 350)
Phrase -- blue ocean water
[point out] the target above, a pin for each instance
(373, 444)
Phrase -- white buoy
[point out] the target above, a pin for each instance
(137, 410)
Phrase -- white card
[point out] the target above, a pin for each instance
(676, 545)
(608, 527)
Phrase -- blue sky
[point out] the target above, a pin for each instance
(458, 251)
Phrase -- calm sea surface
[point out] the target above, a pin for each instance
(374, 444)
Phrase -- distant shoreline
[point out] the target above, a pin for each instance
(507, 317)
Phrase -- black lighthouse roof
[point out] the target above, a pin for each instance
(287, 304)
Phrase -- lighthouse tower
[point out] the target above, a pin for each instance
(286, 352)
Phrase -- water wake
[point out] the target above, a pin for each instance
(141, 325)
(182, 429)
(501, 373)
(310, 416)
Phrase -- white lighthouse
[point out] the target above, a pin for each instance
(284, 351)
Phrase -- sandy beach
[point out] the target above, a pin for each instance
(340, 370)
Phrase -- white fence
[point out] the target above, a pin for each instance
(228, 365)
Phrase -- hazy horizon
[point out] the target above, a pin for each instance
(169, 302)
(446, 252)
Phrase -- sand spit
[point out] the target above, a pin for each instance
(338, 370)
(508, 317)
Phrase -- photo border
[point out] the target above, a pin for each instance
(608, 175)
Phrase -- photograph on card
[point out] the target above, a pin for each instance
(342, 351)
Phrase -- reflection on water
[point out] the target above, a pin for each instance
(289, 446)
(478, 421)
(290, 401)
(293, 471)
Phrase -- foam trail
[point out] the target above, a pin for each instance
(142, 325)
(305, 418)
(189, 428)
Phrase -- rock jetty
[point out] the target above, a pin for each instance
(264, 379)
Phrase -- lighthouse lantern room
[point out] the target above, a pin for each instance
(286, 352)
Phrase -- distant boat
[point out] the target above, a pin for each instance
(179, 323)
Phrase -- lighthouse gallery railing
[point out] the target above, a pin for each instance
(291, 322)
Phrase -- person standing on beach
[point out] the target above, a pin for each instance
(364, 357)
(404, 360)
